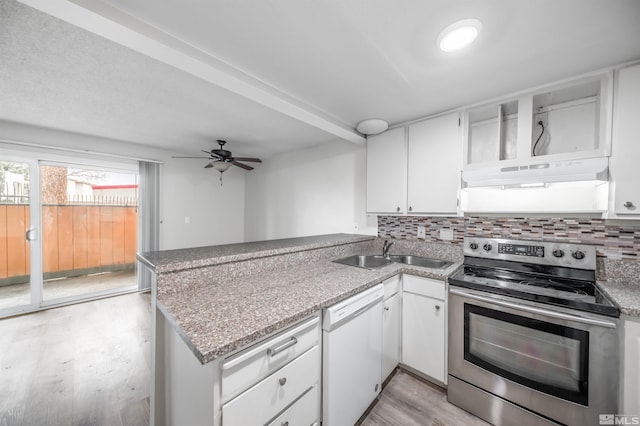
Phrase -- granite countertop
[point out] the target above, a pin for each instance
(213, 323)
(619, 279)
(625, 294)
(218, 313)
(189, 258)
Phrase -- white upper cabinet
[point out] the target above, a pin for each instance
(566, 121)
(434, 165)
(387, 172)
(625, 153)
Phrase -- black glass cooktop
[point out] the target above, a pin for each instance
(575, 289)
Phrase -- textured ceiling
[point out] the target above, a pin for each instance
(350, 60)
(56, 75)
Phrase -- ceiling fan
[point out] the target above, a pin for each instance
(222, 159)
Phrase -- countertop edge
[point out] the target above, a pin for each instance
(626, 296)
(178, 266)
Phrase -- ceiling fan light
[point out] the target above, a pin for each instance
(372, 126)
(221, 166)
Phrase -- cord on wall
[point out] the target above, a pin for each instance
(538, 140)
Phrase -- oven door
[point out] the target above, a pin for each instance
(560, 364)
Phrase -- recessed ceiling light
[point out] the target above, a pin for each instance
(459, 35)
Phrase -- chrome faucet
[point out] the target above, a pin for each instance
(385, 249)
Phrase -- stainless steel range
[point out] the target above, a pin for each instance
(532, 338)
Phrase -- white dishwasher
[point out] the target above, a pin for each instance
(352, 357)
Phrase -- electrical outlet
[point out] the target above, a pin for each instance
(421, 232)
(446, 234)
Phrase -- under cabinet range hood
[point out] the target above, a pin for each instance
(538, 173)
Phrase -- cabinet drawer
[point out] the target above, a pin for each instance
(255, 363)
(305, 411)
(391, 286)
(267, 398)
(424, 286)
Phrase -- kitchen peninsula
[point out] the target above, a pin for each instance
(218, 310)
(212, 302)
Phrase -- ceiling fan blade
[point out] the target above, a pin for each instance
(253, 160)
(210, 165)
(175, 156)
(212, 154)
(243, 166)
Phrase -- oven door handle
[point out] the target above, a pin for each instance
(533, 310)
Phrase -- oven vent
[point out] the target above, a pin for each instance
(588, 169)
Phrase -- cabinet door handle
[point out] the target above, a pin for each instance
(437, 307)
(628, 204)
(282, 381)
(397, 209)
(284, 423)
(410, 208)
(386, 308)
(282, 347)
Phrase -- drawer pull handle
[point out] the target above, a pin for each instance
(386, 308)
(282, 347)
(628, 204)
(284, 424)
(282, 381)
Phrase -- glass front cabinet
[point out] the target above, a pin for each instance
(562, 122)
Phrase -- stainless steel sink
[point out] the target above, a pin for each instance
(367, 262)
(425, 262)
(375, 261)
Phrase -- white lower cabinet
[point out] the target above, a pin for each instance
(424, 326)
(277, 379)
(303, 412)
(266, 399)
(391, 326)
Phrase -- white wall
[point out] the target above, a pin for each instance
(216, 213)
(311, 191)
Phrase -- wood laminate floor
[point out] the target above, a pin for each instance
(85, 364)
(407, 401)
(88, 364)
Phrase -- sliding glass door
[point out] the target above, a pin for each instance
(19, 242)
(89, 231)
(68, 232)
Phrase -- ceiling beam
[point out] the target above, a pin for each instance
(111, 23)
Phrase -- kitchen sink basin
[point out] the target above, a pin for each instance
(367, 262)
(425, 262)
(375, 261)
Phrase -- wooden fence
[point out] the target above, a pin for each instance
(80, 239)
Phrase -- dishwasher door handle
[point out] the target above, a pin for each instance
(359, 311)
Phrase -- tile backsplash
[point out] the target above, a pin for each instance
(613, 241)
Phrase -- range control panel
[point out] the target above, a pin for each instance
(521, 249)
(541, 252)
